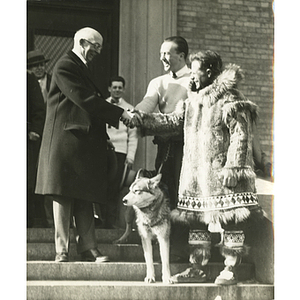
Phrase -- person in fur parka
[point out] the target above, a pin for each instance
(217, 182)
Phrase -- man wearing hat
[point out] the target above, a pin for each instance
(35, 123)
(36, 64)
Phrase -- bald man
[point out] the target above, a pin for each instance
(73, 158)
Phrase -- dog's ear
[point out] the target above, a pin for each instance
(155, 180)
(139, 174)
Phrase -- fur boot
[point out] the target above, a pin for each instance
(233, 249)
(200, 244)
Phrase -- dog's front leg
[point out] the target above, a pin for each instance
(164, 248)
(147, 247)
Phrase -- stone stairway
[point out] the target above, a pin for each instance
(122, 278)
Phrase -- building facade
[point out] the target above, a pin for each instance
(241, 31)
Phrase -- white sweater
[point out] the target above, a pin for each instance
(165, 92)
(124, 139)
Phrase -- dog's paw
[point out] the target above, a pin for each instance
(167, 280)
(149, 279)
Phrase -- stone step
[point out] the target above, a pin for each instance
(37, 270)
(97, 290)
(118, 252)
(105, 236)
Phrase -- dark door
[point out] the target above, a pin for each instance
(51, 26)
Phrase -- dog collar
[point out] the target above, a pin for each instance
(154, 224)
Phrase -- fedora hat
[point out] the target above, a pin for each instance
(35, 57)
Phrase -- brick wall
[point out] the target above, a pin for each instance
(241, 31)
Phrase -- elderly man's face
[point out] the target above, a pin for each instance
(38, 70)
(91, 47)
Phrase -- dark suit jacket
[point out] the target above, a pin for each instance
(35, 122)
(35, 106)
(73, 156)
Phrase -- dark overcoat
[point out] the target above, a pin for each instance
(35, 123)
(73, 157)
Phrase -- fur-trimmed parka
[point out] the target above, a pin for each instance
(217, 123)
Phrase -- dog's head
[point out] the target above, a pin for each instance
(143, 192)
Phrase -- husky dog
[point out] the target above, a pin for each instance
(129, 214)
(152, 211)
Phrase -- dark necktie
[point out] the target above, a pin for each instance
(174, 75)
(113, 101)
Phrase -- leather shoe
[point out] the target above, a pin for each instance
(227, 276)
(61, 257)
(190, 275)
(94, 255)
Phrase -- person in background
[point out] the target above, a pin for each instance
(217, 191)
(36, 64)
(73, 163)
(164, 92)
(35, 124)
(125, 141)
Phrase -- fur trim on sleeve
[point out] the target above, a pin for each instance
(234, 106)
(238, 173)
(163, 124)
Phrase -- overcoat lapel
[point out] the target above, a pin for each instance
(85, 70)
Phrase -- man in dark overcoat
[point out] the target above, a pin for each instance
(35, 123)
(36, 65)
(73, 164)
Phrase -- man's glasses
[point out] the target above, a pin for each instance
(96, 46)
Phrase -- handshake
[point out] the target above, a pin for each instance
(132, 118)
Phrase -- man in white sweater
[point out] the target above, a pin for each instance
(125, 141)
(164, 92)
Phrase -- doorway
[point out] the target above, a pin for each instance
(51, 26)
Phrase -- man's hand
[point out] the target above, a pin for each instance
(136, 120)
(132, 118)
(33, 136)
(192, 85)
(125, 118)
(129, 163)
